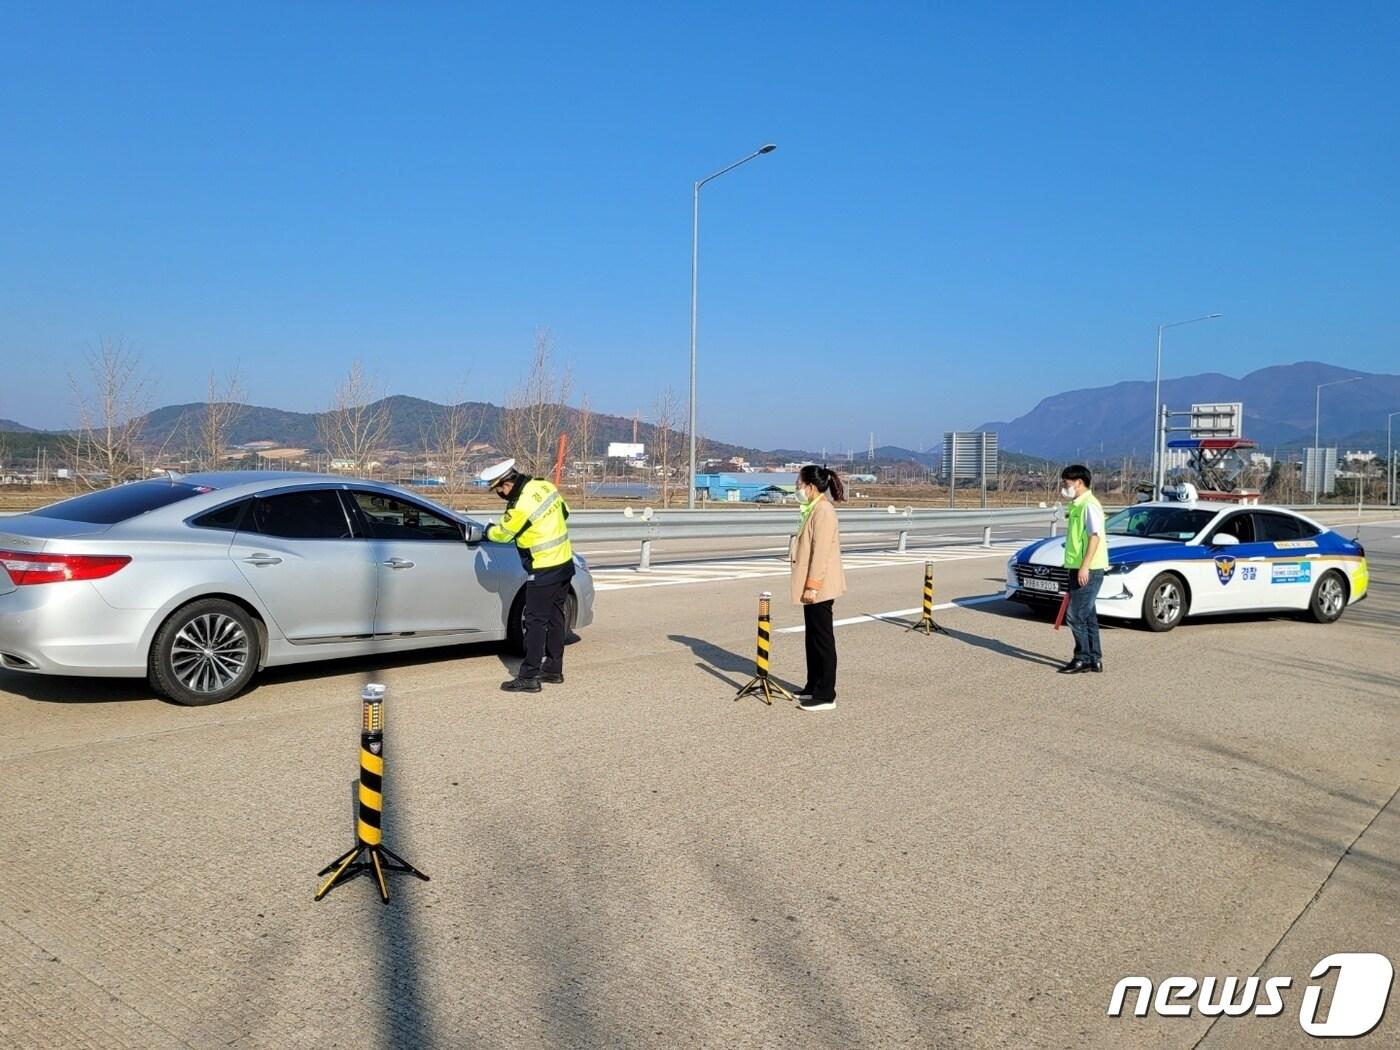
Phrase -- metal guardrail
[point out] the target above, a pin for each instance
(649, 525)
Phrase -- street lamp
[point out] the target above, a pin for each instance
(1389, 464)
(694, 287)
(1159, 452)
(1317, 434)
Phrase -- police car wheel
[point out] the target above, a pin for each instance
(1164, 604)
(1329, 598)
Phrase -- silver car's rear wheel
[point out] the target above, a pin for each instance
(206, 653)
(209, 653)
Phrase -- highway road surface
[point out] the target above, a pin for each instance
(969, 851)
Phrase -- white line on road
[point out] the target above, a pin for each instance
(981, 599)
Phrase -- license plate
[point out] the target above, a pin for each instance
(1041, 585)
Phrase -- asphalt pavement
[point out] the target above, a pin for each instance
(969, 851)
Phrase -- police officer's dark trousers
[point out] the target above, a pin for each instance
(546, 619)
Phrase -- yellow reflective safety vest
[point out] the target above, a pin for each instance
(536, 521)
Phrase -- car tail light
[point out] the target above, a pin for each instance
(26, 569)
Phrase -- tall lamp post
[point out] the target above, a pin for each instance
(694, 287)
(1317, 434)
(1389, 464)
(1159, 435)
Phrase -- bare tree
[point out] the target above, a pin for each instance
(222, 411)
(356, 424)
(667, 440)
(112, 397)
(534, 415)
(448, 438)
(584, 428)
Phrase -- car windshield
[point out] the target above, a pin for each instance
(114, 505)
(1159, 523)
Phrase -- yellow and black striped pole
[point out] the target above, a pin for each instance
(369, 819)
(761, 684)
(926, 622)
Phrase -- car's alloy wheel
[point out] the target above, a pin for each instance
(205, 653)
(1329, 598)
(209, 653)
(1164, 605)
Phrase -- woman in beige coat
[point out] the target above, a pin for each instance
(818, 580)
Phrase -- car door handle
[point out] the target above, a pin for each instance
(262, 559)
(398, 563)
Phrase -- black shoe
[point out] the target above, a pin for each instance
(553, 677)
(1075, 666)
(1096, 667)
(816, 705)
(521, 685)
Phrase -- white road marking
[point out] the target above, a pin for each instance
(981, 599)
(681, 573)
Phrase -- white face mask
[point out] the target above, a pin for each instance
(1066, 492)
(804, 495)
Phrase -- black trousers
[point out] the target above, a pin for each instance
(546, 620)
(821, 650)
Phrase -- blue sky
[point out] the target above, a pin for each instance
(971, 206)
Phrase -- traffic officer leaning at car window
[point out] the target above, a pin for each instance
(1086, 558)
(536, 521)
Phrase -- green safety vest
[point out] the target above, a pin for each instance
(536, 521)
(1077, 540)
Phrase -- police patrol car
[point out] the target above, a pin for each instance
(1169, 559)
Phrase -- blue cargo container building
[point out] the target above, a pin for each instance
(717, 487)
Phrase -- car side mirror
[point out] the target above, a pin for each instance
(473, 534)
(1225, 539)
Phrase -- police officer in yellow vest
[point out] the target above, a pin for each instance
(536, 521)
(1086, 558)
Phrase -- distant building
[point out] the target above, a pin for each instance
(1320, 466)
(626, 450)
(743, 487)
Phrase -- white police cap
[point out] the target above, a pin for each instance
(497, 471)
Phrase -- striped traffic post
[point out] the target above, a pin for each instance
(761, 684)
(926, 622)
(369, 819)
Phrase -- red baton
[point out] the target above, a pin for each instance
(1064, 608)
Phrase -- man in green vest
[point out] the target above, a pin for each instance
(1086, 558)
(536, 521)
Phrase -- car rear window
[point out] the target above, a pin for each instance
(114, 505)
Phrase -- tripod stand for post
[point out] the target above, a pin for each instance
(760, 684)
(369, 835)
(926, 623)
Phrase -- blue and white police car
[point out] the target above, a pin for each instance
(1193, 557)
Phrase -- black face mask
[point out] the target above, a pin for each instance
(502, 493)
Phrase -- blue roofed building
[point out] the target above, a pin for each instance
(744, 487)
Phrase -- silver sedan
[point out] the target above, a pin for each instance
(199, 581)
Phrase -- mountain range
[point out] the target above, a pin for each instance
(1279, 403)
(1092, 423)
